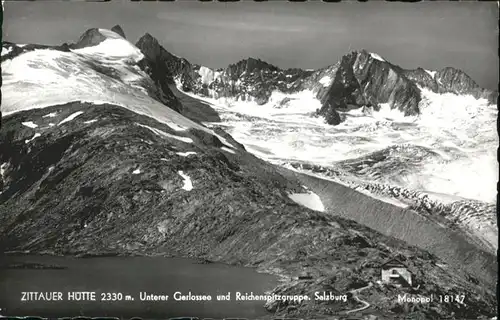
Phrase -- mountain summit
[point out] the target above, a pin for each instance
(118, 29)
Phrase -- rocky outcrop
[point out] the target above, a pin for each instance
(254, 80)
(458, 82)
(89, 38)
(422, 78)
(163, 67)
(118, 30)
(362, 80)
(164, 64)
(449, 80)
(247, 80)
(234, 71)
(357, 80)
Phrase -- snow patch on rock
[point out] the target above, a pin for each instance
(6, 51)
(33, 138)
(228, 150)
(185, 154)
(166, 135)
(50, 115)
(70, 117)
(309, 200)
(176, 127)
(29, 124)
(188, 184)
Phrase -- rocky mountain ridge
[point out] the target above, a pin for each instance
(359, 79)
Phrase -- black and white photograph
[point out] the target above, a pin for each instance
(252, 160)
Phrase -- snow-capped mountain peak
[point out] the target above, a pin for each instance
(109, 70)
(360, 78)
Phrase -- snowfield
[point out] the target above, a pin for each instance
(105, 73)
(228, 150)
(460, 130)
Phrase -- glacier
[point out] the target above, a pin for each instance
(460, 129)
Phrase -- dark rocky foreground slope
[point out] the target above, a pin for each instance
(113, 181)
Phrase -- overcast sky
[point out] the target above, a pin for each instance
(308, 35)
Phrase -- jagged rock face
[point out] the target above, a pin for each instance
(457, 81)
(165, 64)
(254, 80)
(362, 80)
(450, 80)
(249, 79)
(118, 29)
(89, 38)
(234, 71)
(158, 90)
(157, 58)
(320, 81)
(422, 78)
(155, 64)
